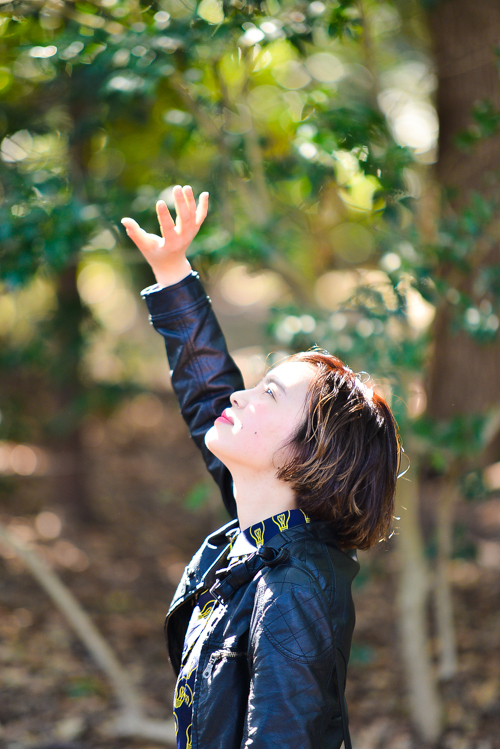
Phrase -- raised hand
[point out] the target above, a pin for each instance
(167, 254)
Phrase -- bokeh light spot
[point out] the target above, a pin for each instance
(241, 289)
(334, 288)
(420, 312)
(324, 67)
(177, 117)
(23, 617)
(352, 242)
(68, 555)
(417, 126)
(71, 51)
(307, 323)
(7, 313)
(5, 78)
(43, 52)
(146, 410)
(266, 101)
(252, 36)
(23, 460)
(17, 147)
(390, 262)
(119, 311)
(95, 282)
(211, 11)
(291, 74)
(126, 82)
(417, 399)
(365, 327)
(48, 524)
(308, 150)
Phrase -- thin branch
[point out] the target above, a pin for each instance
(256, 163)
(131, 721)
(204, 121)
(262, 202)
(369, 53)
(213, 133)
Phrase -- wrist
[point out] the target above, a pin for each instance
(173, 274)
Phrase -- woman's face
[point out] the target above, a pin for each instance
(261, 420)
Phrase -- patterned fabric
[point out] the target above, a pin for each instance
(257, 535)
(208, 612)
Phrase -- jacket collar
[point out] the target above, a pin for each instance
(229, 579)
(252, 538)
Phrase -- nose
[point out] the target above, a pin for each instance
(238, 398)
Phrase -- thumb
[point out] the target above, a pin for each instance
(144, 241)
(130, 225)
(133, 230)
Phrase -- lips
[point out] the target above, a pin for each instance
(225, 417)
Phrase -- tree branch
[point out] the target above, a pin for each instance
(132, 721)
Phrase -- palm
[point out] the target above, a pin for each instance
(176, 236)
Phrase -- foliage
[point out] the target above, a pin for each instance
(273, 107)
(486, 121)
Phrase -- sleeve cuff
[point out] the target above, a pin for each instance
(167, 300)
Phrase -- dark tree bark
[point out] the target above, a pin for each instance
(464, 374)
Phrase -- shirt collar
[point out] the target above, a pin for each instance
(257, 535)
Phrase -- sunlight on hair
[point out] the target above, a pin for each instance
(403, 473)
(367, 391)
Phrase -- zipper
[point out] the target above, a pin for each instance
(217, 656)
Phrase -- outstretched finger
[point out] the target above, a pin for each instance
(164, 218)
(202, 209)
(181, 207)
(189, 198)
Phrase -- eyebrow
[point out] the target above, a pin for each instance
(272, 378)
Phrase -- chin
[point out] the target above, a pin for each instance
(211, 435)
(212, 441)
(215, 443)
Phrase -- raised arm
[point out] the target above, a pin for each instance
(203, 373)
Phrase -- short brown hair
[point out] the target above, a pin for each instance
(344, 456)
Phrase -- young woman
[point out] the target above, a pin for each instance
(260, 627)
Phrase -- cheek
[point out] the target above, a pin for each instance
(269, 431)
(258, 440)
(261, 424)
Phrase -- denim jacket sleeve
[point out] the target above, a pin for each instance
(203, 373)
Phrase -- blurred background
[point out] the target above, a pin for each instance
(352, 155)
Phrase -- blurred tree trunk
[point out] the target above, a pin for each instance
(463, 374)
(414, 580)
(413, 591)
(70, 484)
(465, 38)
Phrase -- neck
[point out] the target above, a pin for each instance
(260, 496)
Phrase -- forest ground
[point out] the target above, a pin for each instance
(147, 481)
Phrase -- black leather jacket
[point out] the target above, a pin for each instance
(270, 671)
